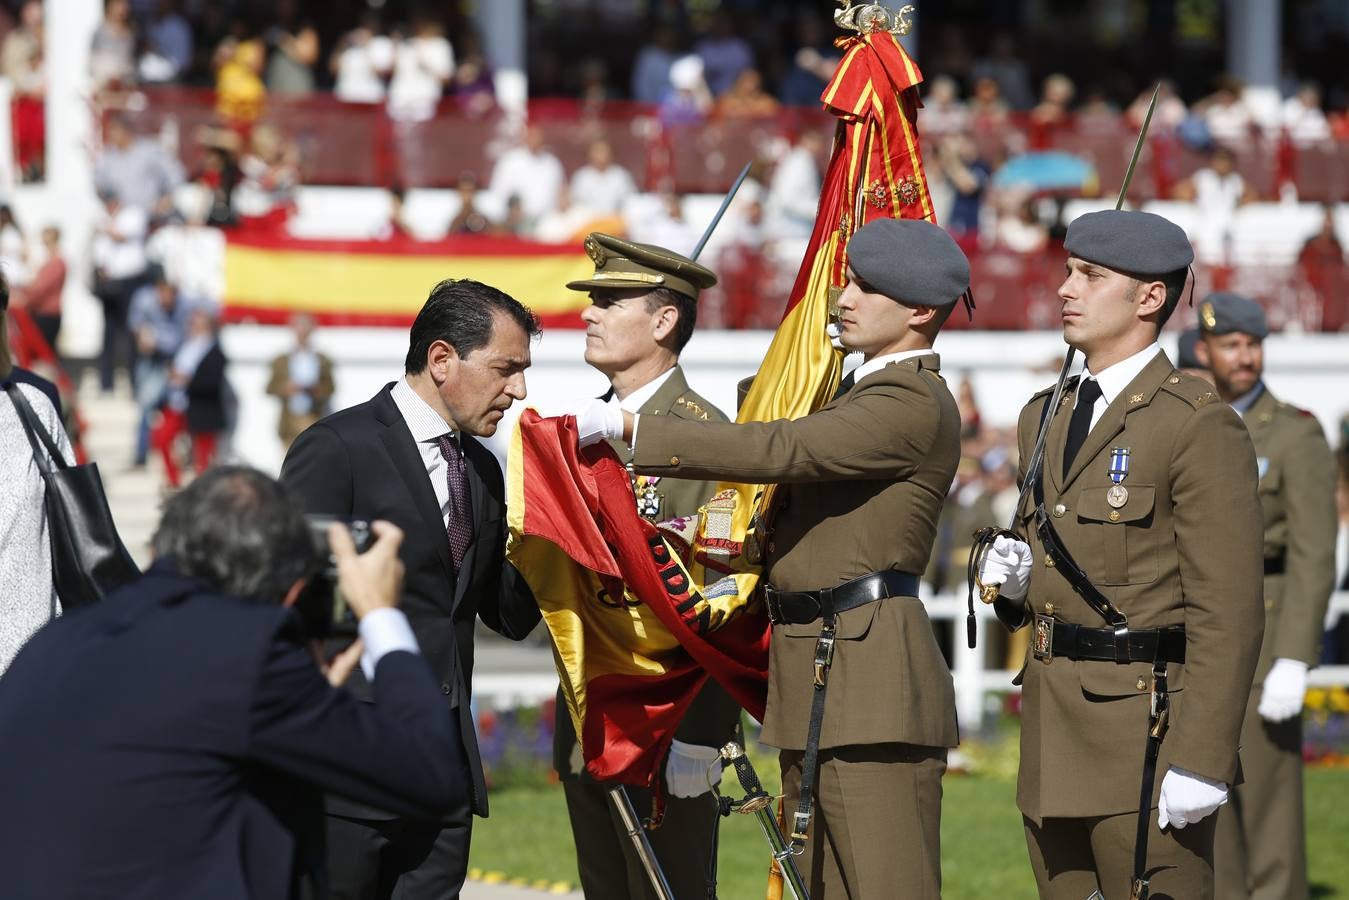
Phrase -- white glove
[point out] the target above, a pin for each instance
(1284, 690)
(1008, 563)
(692, 769)
(1186, 798)
(597, 420)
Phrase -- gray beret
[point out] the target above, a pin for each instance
(1225, 313)
(1185, 355)
(911, 261)
(1136, 243)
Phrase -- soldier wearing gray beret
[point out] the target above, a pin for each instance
(1186, 360)
(910, 261)
(1224, 313)
(1143, 465)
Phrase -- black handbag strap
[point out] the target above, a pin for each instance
(37, 434)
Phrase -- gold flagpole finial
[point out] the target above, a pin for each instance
(869, 18)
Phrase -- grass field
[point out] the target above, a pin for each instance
(983, 852)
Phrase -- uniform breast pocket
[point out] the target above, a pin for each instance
(1123, 535)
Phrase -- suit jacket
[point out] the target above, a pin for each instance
(363, 462)
(712, 719)
(173, 742)
(206, 393)
(1297, 500)
(865, 479)
(290, 425)
(1184, 549)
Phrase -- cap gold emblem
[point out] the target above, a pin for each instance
(595, 252)
(1207, 314)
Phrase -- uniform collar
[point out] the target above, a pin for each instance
(634, 401)
(876, 363)
(1247, 400)
(1114, 379)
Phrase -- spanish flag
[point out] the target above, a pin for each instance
(639, 616)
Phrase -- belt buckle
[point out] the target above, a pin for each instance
(1042, 638)
(771, 605)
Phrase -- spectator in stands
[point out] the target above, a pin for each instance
(294, 53)
(943, 111)
(474, 85)
(28, 600)
(532, 173)
(794, 189)
(112, 55)
(668, 228)
(1097, 114)
(601, 185)
(303, 380)
(42, 296)
(724, 53)
(137, 170)
(361, 63)
(1324, 246)
(1018, 229)
(395, 226)
(514, 223)
(218, 176)
(469, 219)
(1303, 119)
(1052, 116)
(1226, 115)
(988, 110)
(1005, 67)
(1168, 116)
(168, 45)
(240, 91)
(195, 400)
(270, 173)
(651, 68)
(192, 252)
(592, 89)
(688, 100)
(813, 64)
(13, 249)
(423, 65)
(968, 175)
(119, 269)
(158, 319)
(746, 98)
(21, 62)
(1217, 190)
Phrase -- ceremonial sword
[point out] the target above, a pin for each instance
(618, 795)
(759, 803)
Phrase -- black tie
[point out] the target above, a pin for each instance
(845, 385)
(1080, 424)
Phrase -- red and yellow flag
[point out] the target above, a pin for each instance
(639, 618)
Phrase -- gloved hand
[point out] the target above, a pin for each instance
(1008, 563)
(1186, 798)
(1284, 690)
(597, 420)
(692, 769)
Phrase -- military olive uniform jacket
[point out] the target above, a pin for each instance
(1297, 497)
(712, 719)
(866, 476)
(1184, 549)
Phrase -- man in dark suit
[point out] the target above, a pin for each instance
(174, 740)
(409, 455)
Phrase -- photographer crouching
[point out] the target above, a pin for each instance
(176, 740)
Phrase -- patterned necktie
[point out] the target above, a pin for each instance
(1080, 424)
(460, 527)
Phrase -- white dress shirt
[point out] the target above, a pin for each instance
(427, 428)
(1114, 379)
(876, 363)
(637, 398)
(383, 631)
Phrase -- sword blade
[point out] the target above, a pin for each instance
(628, 814)
(721, 211)
(1138, 147)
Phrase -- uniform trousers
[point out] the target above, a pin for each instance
(1073, 857)
(1260, 852)
(607, 860)
(877, 826)
(397, 859)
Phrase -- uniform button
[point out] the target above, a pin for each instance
(674, 460)
(772, 546)
(1049, 561)
(1141, 685)
(1175, 379)
(445, 688)
(1049, 609)
(1114, 515)
(1059, 510)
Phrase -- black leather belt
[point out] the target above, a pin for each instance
(1052, 638)
(1274, 565)
(804, 607)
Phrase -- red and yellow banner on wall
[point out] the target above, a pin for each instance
(270, 276)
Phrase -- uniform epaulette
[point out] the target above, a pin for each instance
(1044, 392)
(693, 407)
(1195, 391)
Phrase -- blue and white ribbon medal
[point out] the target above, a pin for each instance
(1118, 495)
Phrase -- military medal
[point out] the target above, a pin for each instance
(1118, 495)
(648, 498)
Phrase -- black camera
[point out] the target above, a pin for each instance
(321, 609)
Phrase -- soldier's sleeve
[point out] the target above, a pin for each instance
(1219, 538)
(883, 431)
(1309, 502)
(1015, 614)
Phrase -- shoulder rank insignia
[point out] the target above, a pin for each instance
(692, 407)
